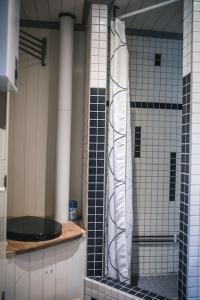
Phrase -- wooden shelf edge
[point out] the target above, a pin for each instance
(70, 231)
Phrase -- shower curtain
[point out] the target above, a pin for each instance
(119, 214)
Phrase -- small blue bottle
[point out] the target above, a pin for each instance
(73, 210)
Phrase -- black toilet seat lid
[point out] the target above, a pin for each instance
(32, 229)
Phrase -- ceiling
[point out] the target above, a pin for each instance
(48, 10)
(168, 18)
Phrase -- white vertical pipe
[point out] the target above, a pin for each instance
(64, 117)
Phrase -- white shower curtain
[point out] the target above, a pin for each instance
(119, 181)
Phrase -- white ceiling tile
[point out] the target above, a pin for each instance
(171, 12)
(122, 5)
(30, 10)
(134, 5)
(68, 6)
(43, 10)
(55, 9)
(79, 6)
(168, 18)
(22, 11)
(48, 10)
(141, 18)
(163, 19)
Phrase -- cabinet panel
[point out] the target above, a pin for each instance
(9, 44)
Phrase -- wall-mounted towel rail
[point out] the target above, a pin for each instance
(155, 239)
(33, 46)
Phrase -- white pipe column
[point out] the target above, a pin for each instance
(64, 117)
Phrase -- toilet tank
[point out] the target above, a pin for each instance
(9, 44)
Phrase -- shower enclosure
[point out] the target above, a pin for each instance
(155, 76)
(164, 64)
(156, 97)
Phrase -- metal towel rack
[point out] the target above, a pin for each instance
(33, 46)
(155, 239)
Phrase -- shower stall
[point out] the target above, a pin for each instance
(160, 258)
(154, 87)
(156, 114)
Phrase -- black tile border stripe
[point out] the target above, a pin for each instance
(157, 59)
(127, 288)
(137, 141)
(96, 179)
(184, 197)
(172, 185)
(153, 105)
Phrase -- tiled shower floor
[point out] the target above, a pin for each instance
(164, 285)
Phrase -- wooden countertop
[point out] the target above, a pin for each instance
(70, 231)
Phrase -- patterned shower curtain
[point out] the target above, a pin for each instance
(119, 216)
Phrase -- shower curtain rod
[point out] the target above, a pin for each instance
(140, 11)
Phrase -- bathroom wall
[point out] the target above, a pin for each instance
(33, 130)
(189, 255)
(86, 123)
(96, 138)
(55, 273)
(96, 67)
(156, 97)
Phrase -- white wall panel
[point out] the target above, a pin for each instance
(55, 273)
(4, 113)
(33, 130)
(22, 277)
(36, 275)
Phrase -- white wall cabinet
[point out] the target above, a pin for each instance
(9, 44)
(55, 273)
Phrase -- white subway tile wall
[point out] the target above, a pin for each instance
(95, 137)
(156, 97)
(153, 83)
(96, 77)
(99, 28)
(187, 36)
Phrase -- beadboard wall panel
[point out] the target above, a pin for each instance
(28, 135)
(77, 117)
(53, 44)
(86, 124)
(54, 273)
(33, 119)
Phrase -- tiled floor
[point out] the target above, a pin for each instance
(164, 285)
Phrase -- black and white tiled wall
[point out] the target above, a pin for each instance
(106, 288)
(189, 273)
(183, 235)
(96, 131)
(156, 106)
(156, 109)
(96, 181)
